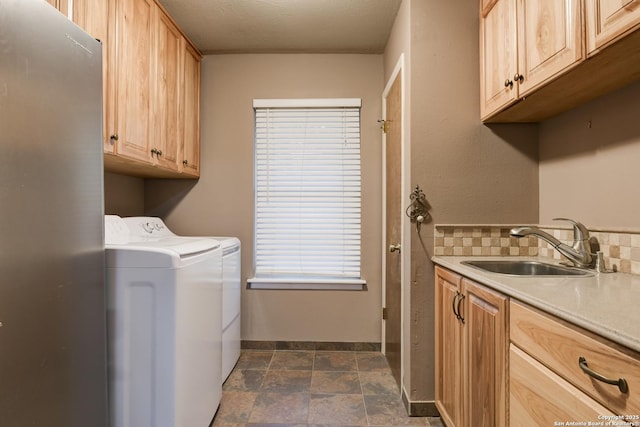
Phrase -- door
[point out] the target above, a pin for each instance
(393, 261)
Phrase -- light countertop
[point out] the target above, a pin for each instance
(607, 304)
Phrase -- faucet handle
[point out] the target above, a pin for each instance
(580, 232)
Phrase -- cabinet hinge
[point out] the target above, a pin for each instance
(384, 313)
(384, 125)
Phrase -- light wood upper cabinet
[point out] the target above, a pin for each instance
(609, 20)
(498, 58)
(93, 17)
(485, 6)
(190, 116)
(151, 76)
(61, 5)
(132, 74)
(547, 72)
(167, 93)
(550, 41)
(471, 352)
(523, 45)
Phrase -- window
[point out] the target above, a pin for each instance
(307, 194)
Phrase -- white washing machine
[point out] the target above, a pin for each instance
(153, 227)
(165, 323)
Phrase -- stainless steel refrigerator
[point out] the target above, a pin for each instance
(52, 296)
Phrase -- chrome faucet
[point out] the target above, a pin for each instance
(580, 253)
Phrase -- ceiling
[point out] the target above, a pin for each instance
(273, 26)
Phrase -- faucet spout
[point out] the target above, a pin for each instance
(580, 253)
(535, 231)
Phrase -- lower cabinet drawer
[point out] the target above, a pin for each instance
(560, 346)
(538, 397)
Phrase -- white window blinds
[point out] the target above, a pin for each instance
(307, 191)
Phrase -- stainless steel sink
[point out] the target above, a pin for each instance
(526, 268)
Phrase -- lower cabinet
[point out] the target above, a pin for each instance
(560, 372)
(539, 397)
(471, 352)
(448, 361)
(500, 362)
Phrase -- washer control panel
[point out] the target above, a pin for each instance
(147, 227)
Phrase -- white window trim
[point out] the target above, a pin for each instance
(307, 103)
(298, 283)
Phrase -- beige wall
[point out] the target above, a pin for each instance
(123, 195)
(221, 202)
(590, 162)
(470, 173)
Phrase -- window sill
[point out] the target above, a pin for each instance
(307, 284)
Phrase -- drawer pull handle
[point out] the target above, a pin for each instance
(621, 383)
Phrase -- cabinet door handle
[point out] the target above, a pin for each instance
(462, 296)
(518, 77)
(453, 304)
(185, 162)
(508, 83)
(621, 382)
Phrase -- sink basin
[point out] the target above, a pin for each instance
(526, 268)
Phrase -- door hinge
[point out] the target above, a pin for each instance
(384, 125)
(384, 313)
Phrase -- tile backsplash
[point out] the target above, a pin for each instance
(481, 240)
(621, 249)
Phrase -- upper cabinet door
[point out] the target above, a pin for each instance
(167, 94)
(608, 20)
(191, 113)
(93, 17)
(485, 6)
(498, 57)
(61, 5)
(549, 40)
(135, 78)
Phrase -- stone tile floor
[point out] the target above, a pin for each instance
(313, 388)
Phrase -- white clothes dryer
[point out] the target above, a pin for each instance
(164, 305)
(231, 295)
(154, 228)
